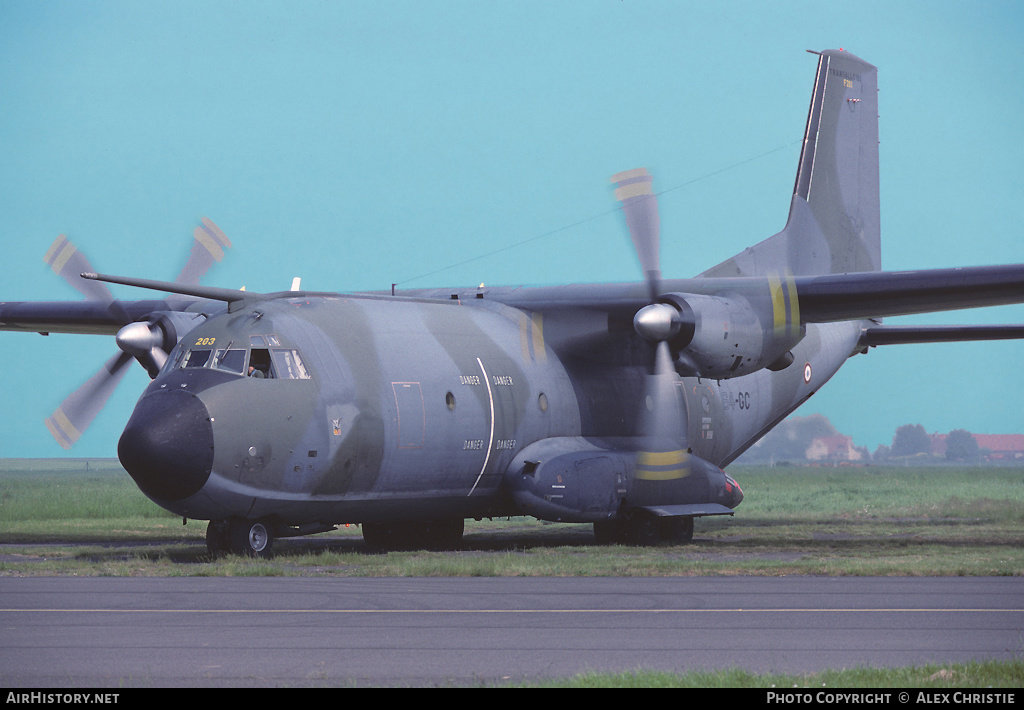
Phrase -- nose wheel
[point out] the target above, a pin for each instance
(250, 538)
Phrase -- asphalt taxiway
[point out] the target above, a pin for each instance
(252, 632)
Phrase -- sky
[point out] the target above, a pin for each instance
(357, 144)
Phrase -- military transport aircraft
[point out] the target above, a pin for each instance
(284, 414)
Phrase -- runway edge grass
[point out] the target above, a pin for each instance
(975, 675)
(877, 521)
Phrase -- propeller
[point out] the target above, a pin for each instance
(67, 262)
(141, 340)
(663, 423)
(633, 191)
(78, 410)
(208, 246)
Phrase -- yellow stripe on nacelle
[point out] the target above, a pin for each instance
(662, 465)
(785, 315)
(778, 301)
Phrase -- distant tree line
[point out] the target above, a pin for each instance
(791, 441)
(913, 440)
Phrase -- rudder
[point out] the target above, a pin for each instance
(834, 224)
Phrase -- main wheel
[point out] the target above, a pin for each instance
(677, 530)
(608, 532)
(252, 538)
(443, 534)
(437, 535)
(637, 527)
(641, 528)
(379, 537)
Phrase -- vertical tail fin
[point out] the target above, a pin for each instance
(834, 224)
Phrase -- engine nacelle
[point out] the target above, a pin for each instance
(728, 336)
(580, 480)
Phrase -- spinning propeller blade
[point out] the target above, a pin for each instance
(76, 413)
(663, 421)
(208, 246)
(633, 191)
(67, 262)
(135, 339)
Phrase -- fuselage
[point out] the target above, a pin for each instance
(366, 408)
(329, 410)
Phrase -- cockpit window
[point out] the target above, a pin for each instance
(175, 360)
(196, 358)
(288, 364)
(260, 362)
(230, 360)
(262, 341)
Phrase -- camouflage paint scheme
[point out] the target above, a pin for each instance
(410, 412)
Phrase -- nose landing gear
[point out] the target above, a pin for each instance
(251, 538)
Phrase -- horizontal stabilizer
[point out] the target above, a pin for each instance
(908, 335)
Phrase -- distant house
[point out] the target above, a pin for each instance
(994, 447)
(1002, 447)
(838, 447)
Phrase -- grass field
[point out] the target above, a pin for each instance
(793, 520)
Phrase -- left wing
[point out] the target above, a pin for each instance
(81, 317)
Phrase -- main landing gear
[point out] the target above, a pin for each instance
(255, 538)
(642, 529)
(437, 535)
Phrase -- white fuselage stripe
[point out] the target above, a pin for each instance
(490, 438)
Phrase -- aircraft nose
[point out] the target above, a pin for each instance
(167, 446)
